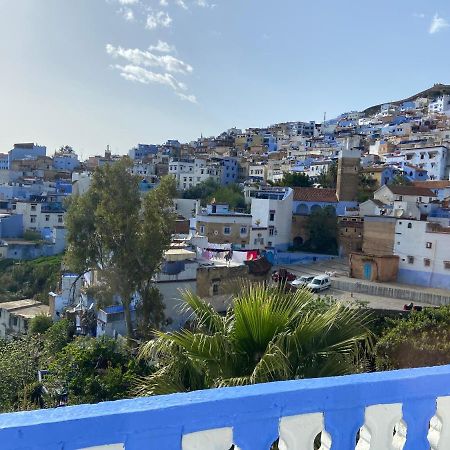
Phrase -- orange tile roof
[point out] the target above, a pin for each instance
(309, 194)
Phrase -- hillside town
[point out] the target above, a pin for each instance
(382, 174)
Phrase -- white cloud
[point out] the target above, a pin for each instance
(419, 15)
(162, 47)
(132, 72)
(128, 2)
(438, 24)
(147, 59)
(127, 14)
(182, 4)
(205, 4)
(158, 19)
(163, 2)
(187, 97)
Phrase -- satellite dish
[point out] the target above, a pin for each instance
(399, 212)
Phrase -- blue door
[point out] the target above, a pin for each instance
(367, 271)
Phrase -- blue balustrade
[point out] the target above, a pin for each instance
(387, 410)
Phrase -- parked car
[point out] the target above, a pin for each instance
(320, 283)
(303, 281)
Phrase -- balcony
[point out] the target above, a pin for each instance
(407, 409)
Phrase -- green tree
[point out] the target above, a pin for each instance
(267, 335)
(29, 279)
(366, 187)
(120, 234)
(400, 180)
(232, 195)
(203, 190)
(40, 324)
(19, 363)
(94, 370)
(57, 337)
(423, 339)
(322, 228)
(295, 180)
(328, 179)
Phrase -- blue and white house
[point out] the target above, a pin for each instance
(424, 252)
(26, 151)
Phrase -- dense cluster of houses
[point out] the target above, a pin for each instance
(401, 233)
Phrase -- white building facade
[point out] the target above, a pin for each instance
(424, 253)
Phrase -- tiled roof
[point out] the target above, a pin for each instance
(432, 184)
(412, 190)
(309, 194)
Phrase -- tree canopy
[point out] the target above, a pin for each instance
(295, 180)
(322, 229)
(422, 339)
(121, 234)
(210, 190)
(328, 179)
(267, 335)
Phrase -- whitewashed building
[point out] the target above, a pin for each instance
(424, 253)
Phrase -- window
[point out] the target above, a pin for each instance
(15, 321)
(243, 230)
(33, 207)
(426, 262)
(429, 245)
(410, 259)
(202, 229)
(272, 216)
(33, 219)
(419, 199)
(409, 225)
(60, 218)
(226, 230)
(47, 217)
(215, 289)
(447, 265)
(269, 244)
(271, 231)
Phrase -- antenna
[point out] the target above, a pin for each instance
(324, 117)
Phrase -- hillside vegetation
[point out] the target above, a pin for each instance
(29, 279)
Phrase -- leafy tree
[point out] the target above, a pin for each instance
(231, 195)
(121, 235)
(267, 335)
(29, 279)
(209, 190)
(57, 337)
(366, 187)
(94, 370)
(40, 324)
(400, 180)
(295, 180)
(203, 190)
(19, 363)
(423, 339)
(328, 179)
(322, 228)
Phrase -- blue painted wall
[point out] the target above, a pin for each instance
(11, 226)
(422, 278)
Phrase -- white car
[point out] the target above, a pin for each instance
(320, 283)
(304, 280)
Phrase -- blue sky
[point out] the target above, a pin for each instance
(94, 72)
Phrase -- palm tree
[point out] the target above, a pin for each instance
(269, 334)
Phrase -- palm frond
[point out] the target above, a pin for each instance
(202, 313)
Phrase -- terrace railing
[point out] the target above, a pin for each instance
(406, 409)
